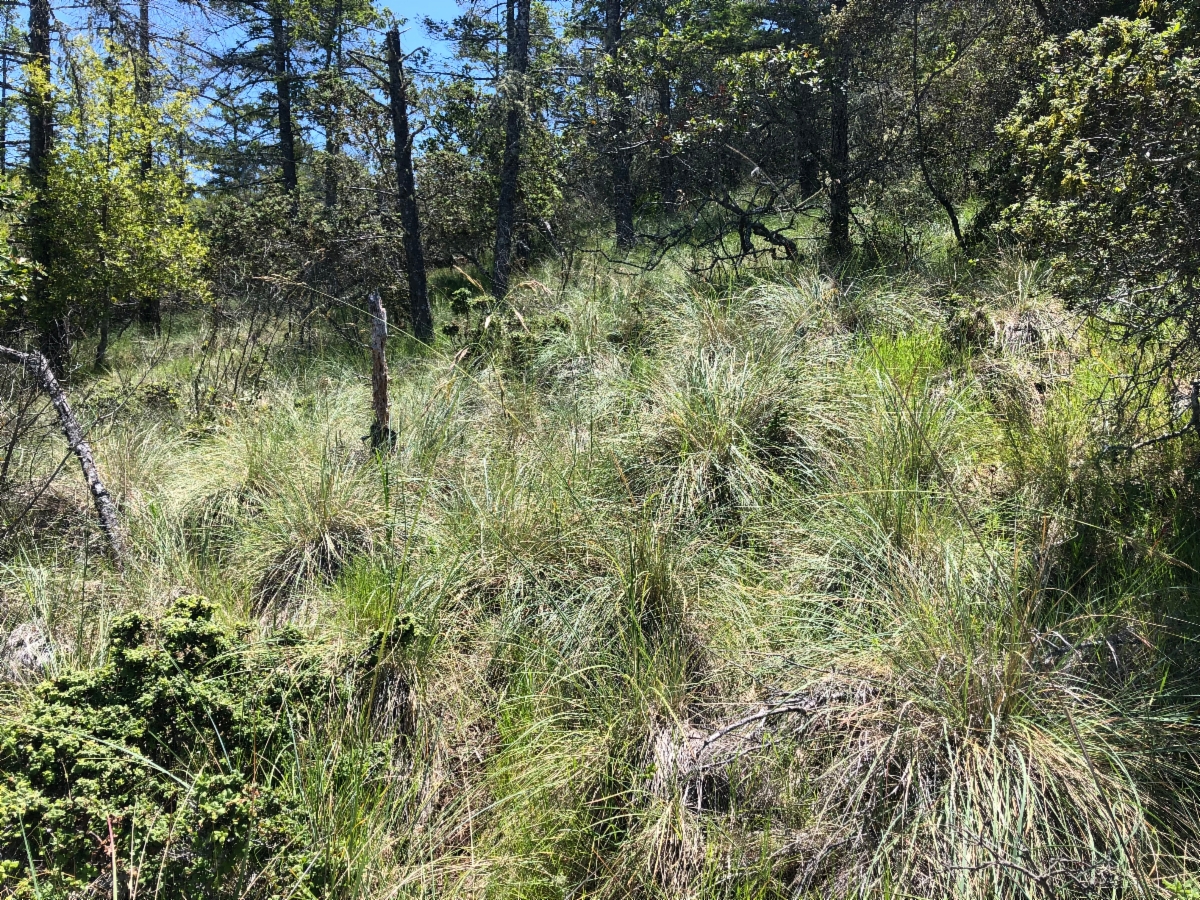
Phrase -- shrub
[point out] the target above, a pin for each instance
(1105, 154)
(168, 767)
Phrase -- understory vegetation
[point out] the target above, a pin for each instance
(797, 582)
(599, 450)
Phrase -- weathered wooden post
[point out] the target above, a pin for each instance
(382, 436)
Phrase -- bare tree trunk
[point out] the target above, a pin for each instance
(106, 313)
(666, 158)
(506, 211)
(839, 170)
(6, 24)
(39, 367)
(150, 305)
(333, 149)
(41, 126)
(283, 101)
(406, 194)
(55, 335)
(102, 346)
(382, 436)
(744, 239)
(619, 133)
(142, 71)
(333, 119)
(839, 144)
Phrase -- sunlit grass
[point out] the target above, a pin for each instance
(760, 591)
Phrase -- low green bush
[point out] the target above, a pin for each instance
(171, 766)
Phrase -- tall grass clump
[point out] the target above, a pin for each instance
(722, 429)
(724, 418)
(959, 752)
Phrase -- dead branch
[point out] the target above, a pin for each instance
(106, 510)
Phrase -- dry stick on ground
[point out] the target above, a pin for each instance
(37, 366)
(382, 436)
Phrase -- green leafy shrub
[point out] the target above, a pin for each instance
(170, 765)
(1108, 188)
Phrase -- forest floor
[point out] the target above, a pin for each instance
(803, 584)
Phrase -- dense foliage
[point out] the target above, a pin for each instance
(742, 128)
(171, 766)
(1106, 153)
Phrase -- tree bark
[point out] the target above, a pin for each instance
(777, 238)
(406, 194)
(102, 347)
(283, 100)
(839, 146)
(619, 134)
(142, 72)
(106, 510)
(333, 150)
(382, 436)
(506, 208)
(666, 159)
(52, 322)
(333, 119)
(747, 245)
(150, 305)
(839, 170)
(7, 24)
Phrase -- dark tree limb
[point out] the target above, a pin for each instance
(776, 238)
(749, 223)
(838, 165)
(51, 319)
(150, 304)
(280, 44)
(619, 129)
(506, 207)
(106, 510)
(666, 159)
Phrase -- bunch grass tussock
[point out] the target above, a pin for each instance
(795, 585)
(718, 432)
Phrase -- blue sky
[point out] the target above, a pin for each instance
(415, 11)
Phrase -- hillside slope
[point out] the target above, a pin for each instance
(798, 585)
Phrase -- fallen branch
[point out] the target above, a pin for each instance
(38, 367)
(777, 238)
